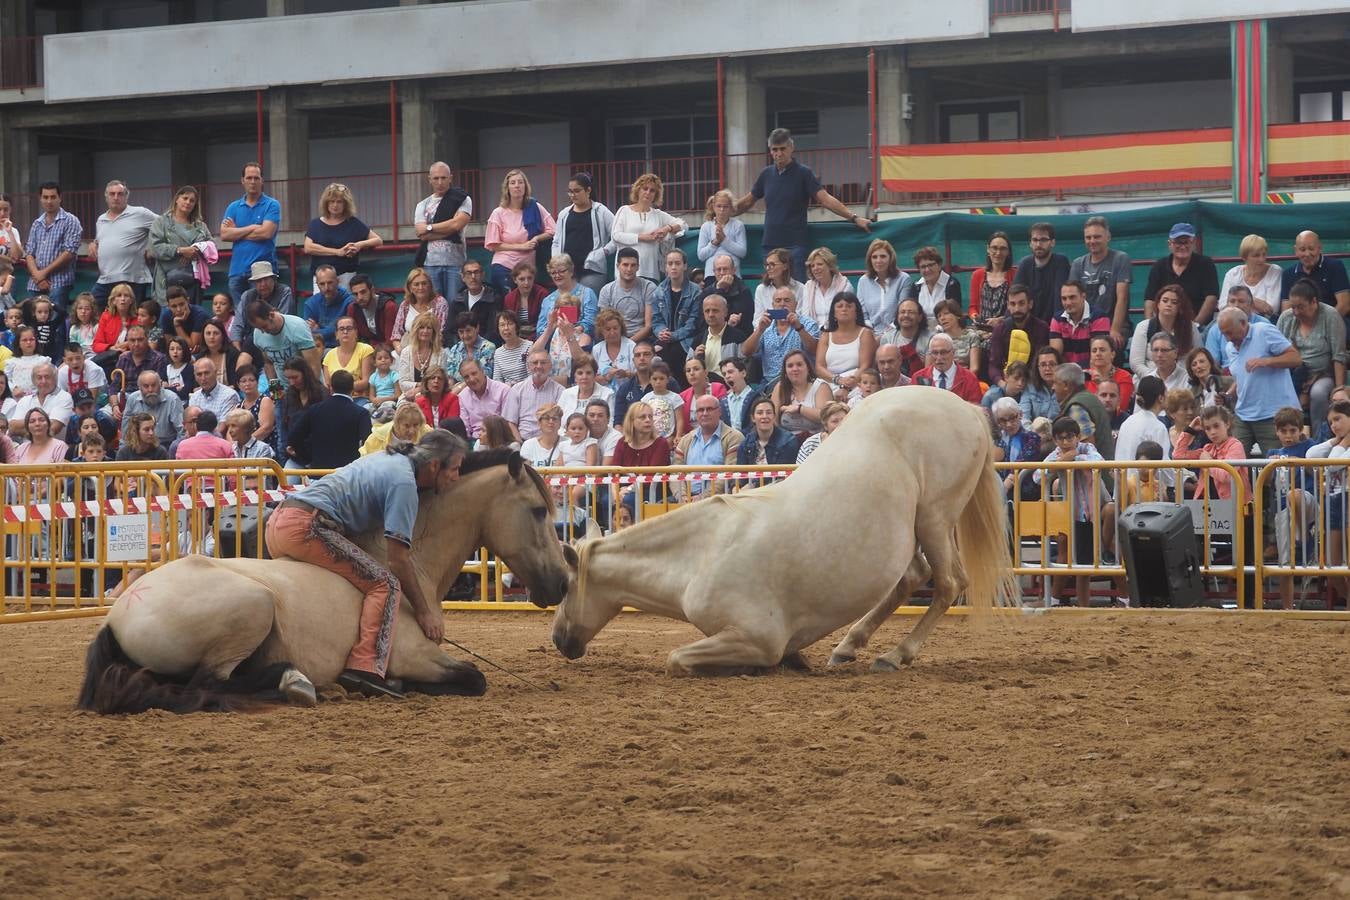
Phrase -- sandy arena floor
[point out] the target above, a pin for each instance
(1121, 755)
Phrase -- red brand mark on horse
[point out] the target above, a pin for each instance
(131, 596)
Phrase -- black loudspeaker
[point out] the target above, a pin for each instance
(240, 537)
(1158, 547)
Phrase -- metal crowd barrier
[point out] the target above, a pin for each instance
(73, 531)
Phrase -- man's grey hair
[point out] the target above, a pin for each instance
(1240, 290)
(1069, 373)
(780, 136)
(329, 266)
(727, 256)
(121, 184)
(1098, 220)
(1165, 338)
(439, 165)
(1233, 314)
(941, 336)
(719, 298)
(437, 445)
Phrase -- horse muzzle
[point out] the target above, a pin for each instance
(568, 646)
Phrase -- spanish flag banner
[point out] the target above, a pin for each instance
(1148, 158)
(1310, 148)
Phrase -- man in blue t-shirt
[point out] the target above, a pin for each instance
(787, 188)
(280, 339)
(252, 223)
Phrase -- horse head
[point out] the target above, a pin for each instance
(582, 612)
(515, 520)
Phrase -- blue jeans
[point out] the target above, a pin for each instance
(446, 281)
(500, 278)
(799, 253)
(60, 297)
(238, 285)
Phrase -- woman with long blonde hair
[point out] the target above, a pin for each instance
(641, 224)
(419, 296)
(825, 281)
(516, 229)
(421, 352)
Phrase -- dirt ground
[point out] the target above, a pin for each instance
(1117, 755)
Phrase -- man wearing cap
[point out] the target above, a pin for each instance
(252, 223)
(83, 401)
(1193, 271)
(267, 287)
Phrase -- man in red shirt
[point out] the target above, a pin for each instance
(945, 374)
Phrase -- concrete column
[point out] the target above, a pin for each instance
(288, 160)
(893, 83)
(417, 128)
(1279, 79)
(923, 127)
(746, 126)
(19, 168)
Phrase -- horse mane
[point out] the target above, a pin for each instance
(479, 460)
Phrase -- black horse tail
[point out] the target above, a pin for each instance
(113, 684)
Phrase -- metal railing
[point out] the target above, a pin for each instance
(1004, 9)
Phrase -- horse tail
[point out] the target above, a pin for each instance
(982, 536)
(114, 684)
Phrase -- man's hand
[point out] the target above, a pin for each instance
(432, 624)
(1259, 362)
(664, 337)
(863, 224)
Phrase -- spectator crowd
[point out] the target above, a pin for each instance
(591, 338)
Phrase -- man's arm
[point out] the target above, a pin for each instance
(429, 616)
(833, 204)
(441, 230)
(744, 203)
(315, 360)
(1343, 304)
(1122, 312)
(1289, 359)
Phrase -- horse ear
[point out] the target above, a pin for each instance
(570, 556)
(513, 464)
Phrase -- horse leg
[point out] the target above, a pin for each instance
(949, 580)
(728, 652)
(425, 668)
(228, 658)
(862, 630)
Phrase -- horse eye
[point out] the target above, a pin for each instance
(540, 512)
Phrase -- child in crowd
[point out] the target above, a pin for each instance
(1041, 425)
(1076, 488)
(93, 450)
(578, 448)
(13, 322)
(51, 343)
(222, 308)
(6, 282)
(384, 380)
(1144, 485)
(1294, 490)
(869, 382)
(665, 404)
(1216, 421)
(86, 427)
(1336, 448)
(83, 323)
(1322, 430)
(147, 316)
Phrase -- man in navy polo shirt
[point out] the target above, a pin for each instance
(1328, 274)
(787, 188)
(252, 223)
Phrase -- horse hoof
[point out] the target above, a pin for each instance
(883, 665)
(298, 690)
(839, 659)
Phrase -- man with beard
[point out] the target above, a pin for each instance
(1035, 334)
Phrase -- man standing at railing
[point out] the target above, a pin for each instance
(53, 243)
(439, 222)
(121, 240)
(1043, 272)
(1261, 360)
(252, 223)
(1105, 276)
(787, 188)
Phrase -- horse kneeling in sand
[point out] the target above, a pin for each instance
(767, 572)
(203, 634)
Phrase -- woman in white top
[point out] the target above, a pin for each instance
(777, 273)
(1262, 278)
(799, 395)
(10, 245)
(846, 345)
(643, 226)
(933, 284)
(882, 285)
(585, 389)
(543, 450)
(721, 232)
(614, 350)
(824, 283)
(20, 366)
(421, 351)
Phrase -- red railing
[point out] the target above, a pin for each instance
(20, 63)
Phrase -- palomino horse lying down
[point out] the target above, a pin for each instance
(767, 572)
(235, 626)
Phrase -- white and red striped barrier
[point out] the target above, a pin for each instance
(77, 509)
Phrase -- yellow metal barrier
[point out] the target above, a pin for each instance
(1307, 519)
(57, 561)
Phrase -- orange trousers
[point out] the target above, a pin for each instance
(308, 536)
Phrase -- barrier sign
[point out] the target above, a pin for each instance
(1222, 515)
(128, 538)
